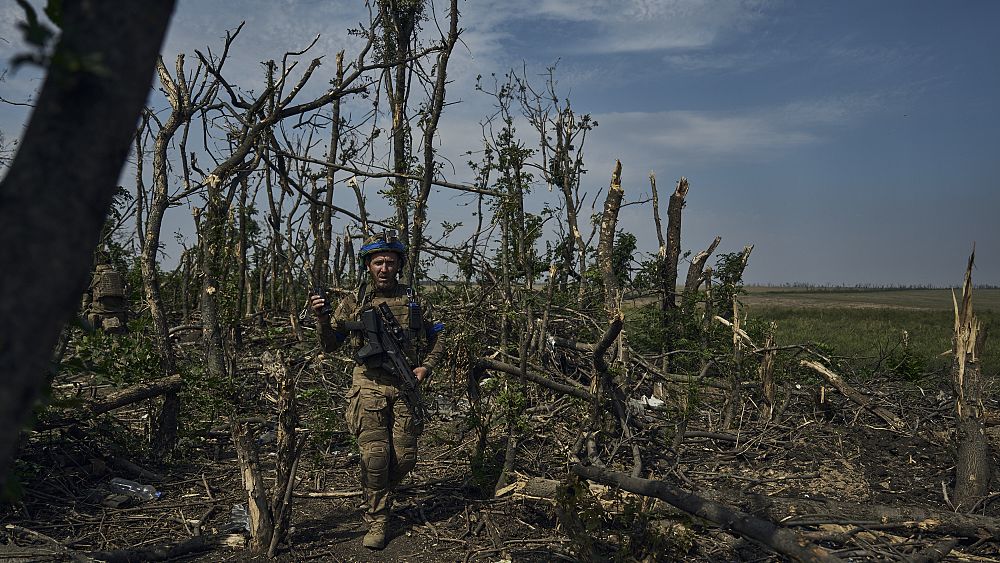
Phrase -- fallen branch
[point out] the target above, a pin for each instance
(137, 393)
(797, 511)
(533, 377)
(833, 379)
(170, 551)
(767, 533)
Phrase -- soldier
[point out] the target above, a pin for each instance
(107, 307)
(378, 412)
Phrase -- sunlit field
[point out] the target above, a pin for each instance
(869, 324)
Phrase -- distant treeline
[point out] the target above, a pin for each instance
(863, 286)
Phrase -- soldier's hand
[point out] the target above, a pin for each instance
(317, 303)
(420, 373)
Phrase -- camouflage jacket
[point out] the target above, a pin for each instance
(412, 313)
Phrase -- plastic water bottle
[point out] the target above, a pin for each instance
(239, 518)
(133, 489)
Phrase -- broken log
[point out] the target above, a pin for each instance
(781, 540)
(258, 509)
(974, 464)
(673, 250)
(573, 391)
(136, 393)
(792, 511)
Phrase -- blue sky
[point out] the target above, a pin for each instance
(850, 141)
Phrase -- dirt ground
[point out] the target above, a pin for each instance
(836, 451)
(831, 451)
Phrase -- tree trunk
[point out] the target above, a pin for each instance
(430, 121)
(275, 367)
(673, 251)
(974, 464)
(662, 249)
(399, 24)
(258, 508)
(323, 234)
(51, 216)
(606, 242)
(696, 272)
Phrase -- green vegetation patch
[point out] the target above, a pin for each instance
(874, 336)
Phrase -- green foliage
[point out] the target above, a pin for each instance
(646, 538)
(622, 257)
(728, 274)
(869, 341)
(645, 328)
(649, 274)
(317, 415)
(582, 517)
(501, 404)
(213, 396)
(120, 359)
(904, 363)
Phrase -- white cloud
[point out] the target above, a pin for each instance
(616, 26)
(702, 134)
(755, 134)
(741, 61)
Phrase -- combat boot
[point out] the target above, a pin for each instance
(375, 538)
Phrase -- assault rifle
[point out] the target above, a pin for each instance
(385, 337)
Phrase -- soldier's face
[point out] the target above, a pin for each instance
(383, 267)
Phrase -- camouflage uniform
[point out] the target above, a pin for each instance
(377, 414)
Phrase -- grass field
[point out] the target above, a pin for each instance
(868, 324)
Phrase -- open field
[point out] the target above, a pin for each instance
(869, 324)
(912, 299)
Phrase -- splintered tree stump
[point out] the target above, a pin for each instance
(258, 508)
(974, 464)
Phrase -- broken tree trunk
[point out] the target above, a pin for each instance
(656, 216)
(974, 465)
(766, 373)
(735, 397)
(288, 449)
(136, 393)
(604, 383)
(808, 512)
(696, 272)
(571, 390)
(606, 242)
(767, 533)
(168, 552)
(258, 510)
(673, 253)
(605, 252)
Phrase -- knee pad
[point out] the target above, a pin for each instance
(405, 449)
(375, 464)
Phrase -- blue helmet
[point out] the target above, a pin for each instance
(387, 241)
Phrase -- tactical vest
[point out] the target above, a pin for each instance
(108, 290)
(409, 315)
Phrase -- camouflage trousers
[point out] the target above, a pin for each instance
(382, 422)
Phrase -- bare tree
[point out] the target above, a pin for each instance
(430, 123)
